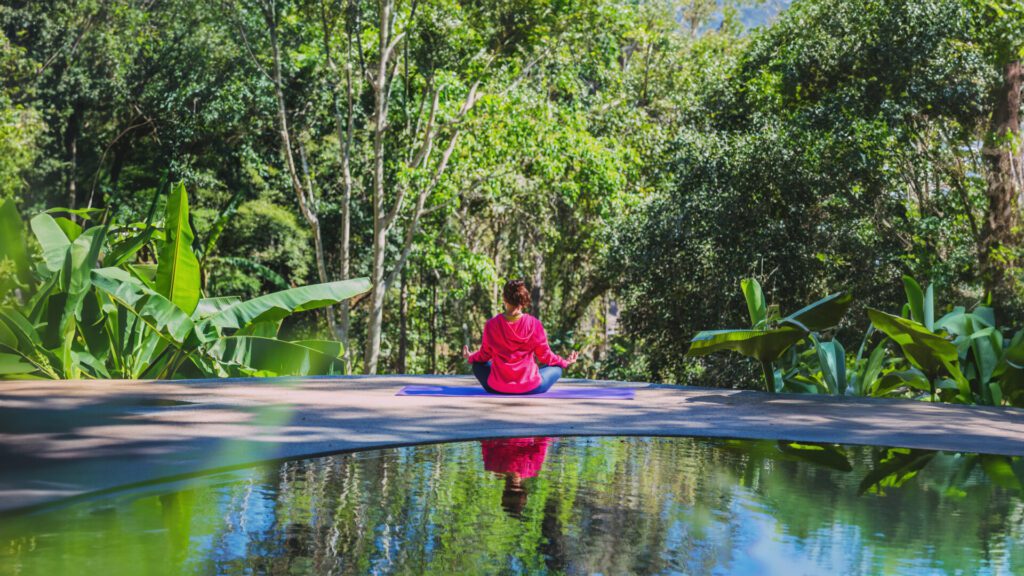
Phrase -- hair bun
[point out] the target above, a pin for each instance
(516, 293)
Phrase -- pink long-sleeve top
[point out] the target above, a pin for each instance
(511, 346)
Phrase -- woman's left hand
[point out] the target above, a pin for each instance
(572, 358)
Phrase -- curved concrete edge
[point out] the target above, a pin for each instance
(62, 439)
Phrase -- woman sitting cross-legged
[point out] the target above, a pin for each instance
(504, 363)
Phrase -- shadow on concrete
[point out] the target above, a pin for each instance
(65, 439)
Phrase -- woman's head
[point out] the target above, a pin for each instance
(516, 295)
(514, 496)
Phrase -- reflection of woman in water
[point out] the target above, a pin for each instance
(516, 459)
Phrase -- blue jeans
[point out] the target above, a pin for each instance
(548, 376)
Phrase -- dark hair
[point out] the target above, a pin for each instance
(514, 497)
(516, 294)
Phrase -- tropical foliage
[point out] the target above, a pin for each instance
(107, 300)
(770, 337)
(631, 160)
(961, 357)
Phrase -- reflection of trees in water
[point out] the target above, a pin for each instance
(616, 506)
(612, 506)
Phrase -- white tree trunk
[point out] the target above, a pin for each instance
(380, 225)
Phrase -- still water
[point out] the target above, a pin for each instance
(580, 505)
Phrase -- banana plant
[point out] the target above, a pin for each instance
(89, 306)
(228, 336)
(934, 359)
(961, 357)
(770, 335)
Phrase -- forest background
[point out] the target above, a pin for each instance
(632, 160)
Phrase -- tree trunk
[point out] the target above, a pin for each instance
(403, 325)
(71, 146)
(380, 226)
(537, 287)
(495, 302)
(433, 324)
(574, 310)
(999, 235)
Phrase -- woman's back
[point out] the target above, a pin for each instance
(511, 346)
(504, 363)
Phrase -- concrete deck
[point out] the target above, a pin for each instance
(61, 439)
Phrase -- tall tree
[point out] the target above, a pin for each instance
(1001, 25)
(499, 60)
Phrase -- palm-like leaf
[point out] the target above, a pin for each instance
(178, 277)
(14, 364)
(762, 345)
(12, 245)
(820, 315)
(274, 307)
(159, 313)
(923, 348)
(252, 355)
(756, 305)
(52, 238)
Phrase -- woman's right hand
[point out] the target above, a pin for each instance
(465, 353)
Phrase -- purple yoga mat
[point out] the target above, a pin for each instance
(568, 392)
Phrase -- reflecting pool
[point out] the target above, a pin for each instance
(579, 505)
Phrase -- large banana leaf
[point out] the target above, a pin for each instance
(756, 305)
(832, 361)
(209, 306)
(898, 380)
(159, 313)
(763, 345)
(820, 315)
(17, 332)
(79, 263)
(92, 326)
(986, 350)
(12, 246)
(1009, 374)
(18, 336)
(52, 238)
(127, 248)
(178, 277)
(71, 229)
(329, 347)
(14, 364)
(274, 307)
(923, 348)
(83, 213)
(80, 260)
(921, 303)
(257, 356)
(144, 272)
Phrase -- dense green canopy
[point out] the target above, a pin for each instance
(636, 156)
